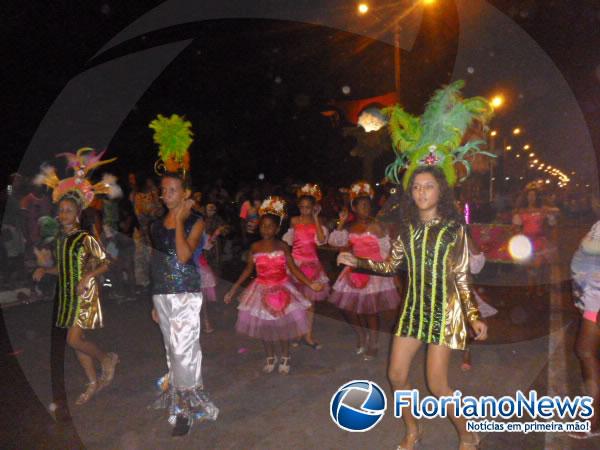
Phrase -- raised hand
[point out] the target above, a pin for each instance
(184, 210)
(343, 216)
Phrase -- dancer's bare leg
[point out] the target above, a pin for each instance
(355, 322)
(587, 347)
(401, 357)
(438, 359)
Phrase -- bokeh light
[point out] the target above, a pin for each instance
(520, 248)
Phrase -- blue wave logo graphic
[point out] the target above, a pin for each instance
(358, 406)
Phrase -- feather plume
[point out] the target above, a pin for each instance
(173, 136)
(442, 126)
(47, 176)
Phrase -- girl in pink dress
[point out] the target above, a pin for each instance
(360, 296)
(271, 308)
(304, 235)
(532, 220)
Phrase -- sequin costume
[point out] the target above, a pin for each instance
(438, 301)
(77, 253)
(177, 299)
(304, 241)
(359, 292)
(271, 308)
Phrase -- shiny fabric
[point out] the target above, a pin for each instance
(271, 268)
(78, 253)
(271, 308)
(438, 304)
(179, 321)
(585, 271)
(169, 276)
(304, 241)
(362, 293)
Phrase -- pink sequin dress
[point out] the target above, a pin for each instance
(303, 240)
(271, 308)
(358, 292)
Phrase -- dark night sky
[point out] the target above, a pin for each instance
(227, 80)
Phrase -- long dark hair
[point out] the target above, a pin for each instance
(446, 205)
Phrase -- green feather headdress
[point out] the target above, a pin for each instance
(174, 137)
(435, 137)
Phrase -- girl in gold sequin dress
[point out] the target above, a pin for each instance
(80, 261)
(432, 244)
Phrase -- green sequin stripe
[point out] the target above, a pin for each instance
(72, 298)
(406, 297)
(60, 287)
(79, 269)
(63, 291)
(444, 294)
(436, 255)
(422, 274)
(414, 281)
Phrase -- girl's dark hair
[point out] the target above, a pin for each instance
(310, 198)
(276, 219)
(363, 197)
(446, 204)
(73, 198)
(186, 181)
(523, 202)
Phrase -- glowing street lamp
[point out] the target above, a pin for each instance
(526, 147)
(363, 8)
(531, 155)
(493, 133)
(517, 131)
(497, 101)
(509, 147)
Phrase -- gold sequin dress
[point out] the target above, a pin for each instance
(438, 305)
(78, 253)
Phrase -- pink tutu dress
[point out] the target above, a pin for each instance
(358, 292)
(304, 241)
(271, 308)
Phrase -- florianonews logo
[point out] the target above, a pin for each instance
(358, 405)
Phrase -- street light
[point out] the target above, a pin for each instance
(363, 8)
(526, 147)
(497, 101)
(493, 133)
(517, 131)
(509, 147)
(531, 155)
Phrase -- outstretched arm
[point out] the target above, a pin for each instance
(243, 277)
(387, 267)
